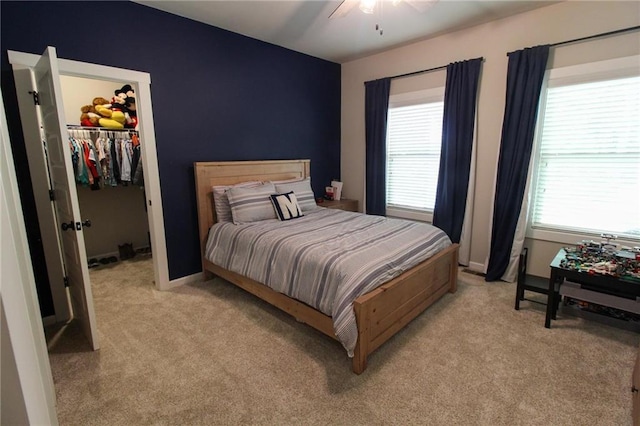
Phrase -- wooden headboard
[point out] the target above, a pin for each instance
(209, 174)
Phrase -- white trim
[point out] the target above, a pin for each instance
(478, 267)
(572, 238)
(422, 216)
(193, 278)
(417, 97)
(19, 299)
(141, 82)
(152, 187)
(612, 68)
(50, 320)
(82, 69)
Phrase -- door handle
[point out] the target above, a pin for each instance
(634, 389)
(68, 226)
(86, 223)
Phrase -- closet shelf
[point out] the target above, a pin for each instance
(98, 129)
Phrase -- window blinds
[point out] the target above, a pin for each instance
(414, 137)
(588, 174)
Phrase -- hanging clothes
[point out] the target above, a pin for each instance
(125, 164)
(105, 158)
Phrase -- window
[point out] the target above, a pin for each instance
(414, 137)
(587, 174)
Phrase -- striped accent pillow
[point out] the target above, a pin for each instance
(221, 200)
(303, 191)
(286, 206)
(251, 204)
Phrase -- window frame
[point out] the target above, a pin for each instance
(417, 97)
(557, 77)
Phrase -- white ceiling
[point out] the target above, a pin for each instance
(304, 25)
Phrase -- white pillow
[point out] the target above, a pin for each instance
(251, 204)
(221, 201)
(304, 193)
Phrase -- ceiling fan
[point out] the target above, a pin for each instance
(371, 6)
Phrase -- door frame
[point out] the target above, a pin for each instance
(141, 82)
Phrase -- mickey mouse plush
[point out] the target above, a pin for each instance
(118, 101)
(125, 101)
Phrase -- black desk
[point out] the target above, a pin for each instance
(626, 290)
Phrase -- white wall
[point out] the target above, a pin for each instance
(117, 216)
(548, 25)
(78, 92)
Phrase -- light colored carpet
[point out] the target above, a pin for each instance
(209, 354)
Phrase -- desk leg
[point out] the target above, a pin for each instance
(556, 300)
(551, 299)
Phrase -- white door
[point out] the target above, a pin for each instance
(66, 199)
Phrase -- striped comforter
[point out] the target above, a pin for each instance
(326, 258)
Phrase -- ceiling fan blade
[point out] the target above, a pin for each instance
(345, 7)
(421, 5)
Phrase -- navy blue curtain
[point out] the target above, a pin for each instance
(457, 142)
(376, 110)
(524, 83)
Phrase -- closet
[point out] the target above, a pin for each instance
(44, 108)
(108, 177)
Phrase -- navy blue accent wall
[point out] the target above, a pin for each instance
(216, 95)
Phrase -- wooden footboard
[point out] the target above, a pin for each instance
(384, 311)
(380, 313)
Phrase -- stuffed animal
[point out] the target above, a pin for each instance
(109, 118)
(89, 117)
(118, 102)
(124, 100)
(99, 101)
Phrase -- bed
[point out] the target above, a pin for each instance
(379, 313)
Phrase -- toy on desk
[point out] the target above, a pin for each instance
(608, 245)
(602, 259)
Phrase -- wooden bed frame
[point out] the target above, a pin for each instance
(379, 314)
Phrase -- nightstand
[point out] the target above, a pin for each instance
(343, 204)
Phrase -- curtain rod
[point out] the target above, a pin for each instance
(418, 72)
(409, 74)
(576, 40)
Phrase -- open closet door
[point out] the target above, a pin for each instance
(66, 199)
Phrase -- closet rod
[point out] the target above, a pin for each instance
(98, 129)
(409, 74)
(576, 40)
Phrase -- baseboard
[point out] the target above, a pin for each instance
(476, 267)
(107, 255)
(185, 280)
(50, 320)
(114, 253)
